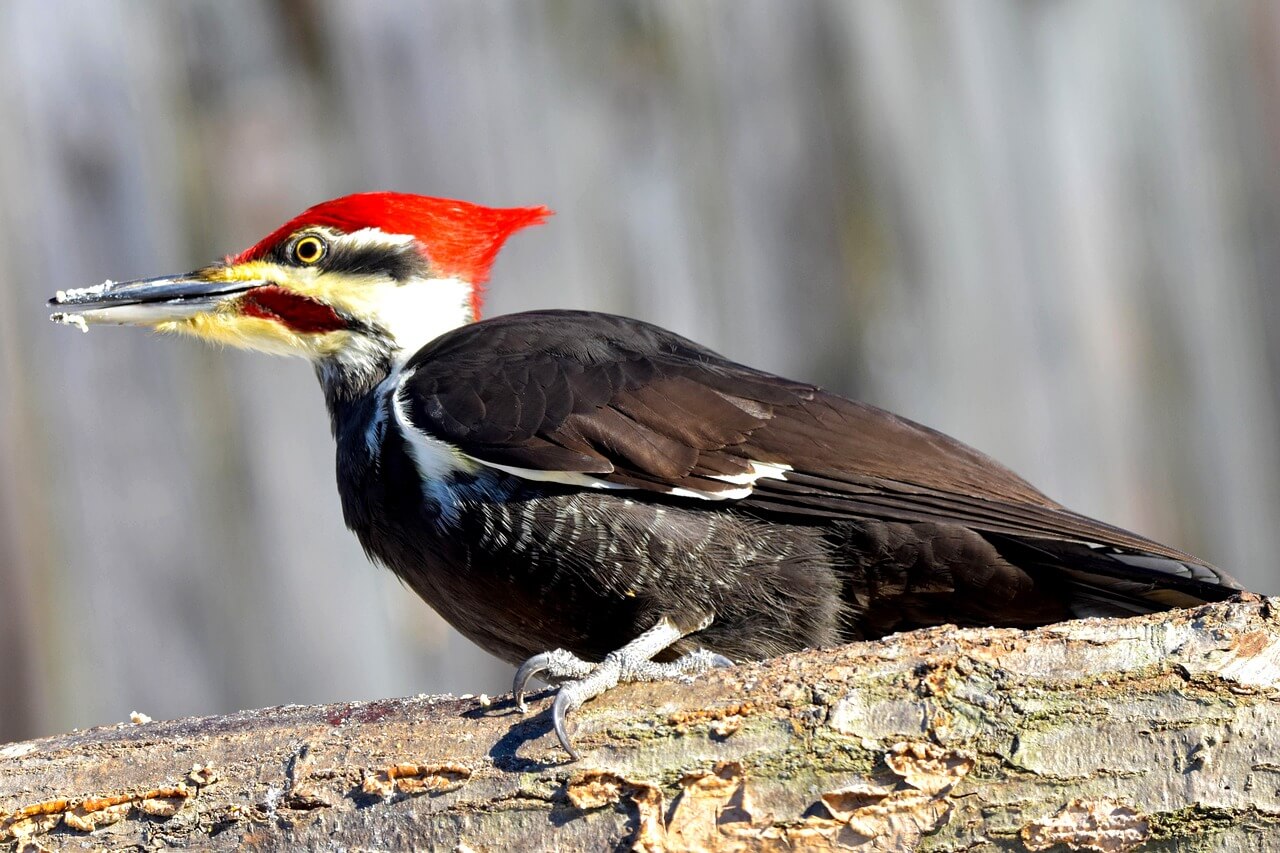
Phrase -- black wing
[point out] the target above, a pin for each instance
(584, 397)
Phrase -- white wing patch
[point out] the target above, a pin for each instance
(726, 495)
(567, 478)
(759, 471)
(747, 480)
(436, 460)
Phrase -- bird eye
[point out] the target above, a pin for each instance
(309, 249)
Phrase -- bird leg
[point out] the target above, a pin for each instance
(580, 681)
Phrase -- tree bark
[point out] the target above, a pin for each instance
(1156, 733)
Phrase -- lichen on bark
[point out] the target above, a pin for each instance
(1153, 733)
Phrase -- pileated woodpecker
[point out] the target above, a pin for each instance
(607, 490)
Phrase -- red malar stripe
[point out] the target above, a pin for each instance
(299, 313)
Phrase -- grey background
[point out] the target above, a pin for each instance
(1046, 228)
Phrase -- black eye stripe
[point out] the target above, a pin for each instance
(397, 261)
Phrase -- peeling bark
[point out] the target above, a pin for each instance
(1155, 733)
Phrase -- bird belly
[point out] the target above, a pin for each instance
(521, 567)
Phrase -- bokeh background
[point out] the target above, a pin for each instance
(1048, 228)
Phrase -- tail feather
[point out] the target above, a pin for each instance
(1105, 581)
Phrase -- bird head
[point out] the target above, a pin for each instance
(358, 277)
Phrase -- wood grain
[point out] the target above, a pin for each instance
(1155, 733)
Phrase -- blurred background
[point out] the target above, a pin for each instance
(1049, 229)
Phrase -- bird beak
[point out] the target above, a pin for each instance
(145, 302)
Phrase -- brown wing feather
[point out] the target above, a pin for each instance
(638, 406)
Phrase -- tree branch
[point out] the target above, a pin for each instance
(1102, 734)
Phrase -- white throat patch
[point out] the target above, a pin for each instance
(415, 313)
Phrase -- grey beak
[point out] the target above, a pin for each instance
(144, 302)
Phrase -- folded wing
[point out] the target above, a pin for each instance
(602, 401)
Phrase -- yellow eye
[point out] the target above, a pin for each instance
(309, 249)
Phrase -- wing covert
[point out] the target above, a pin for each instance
(594, 399)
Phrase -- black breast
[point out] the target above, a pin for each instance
(522, 567)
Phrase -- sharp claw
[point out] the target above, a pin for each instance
(580, 681)
(559, 715)
(524, 675)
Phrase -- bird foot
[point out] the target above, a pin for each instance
(580, 681)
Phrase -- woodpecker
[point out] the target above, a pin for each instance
(597, 499)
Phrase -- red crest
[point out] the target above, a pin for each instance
(459, 238)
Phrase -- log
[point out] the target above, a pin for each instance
(1159, 732)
